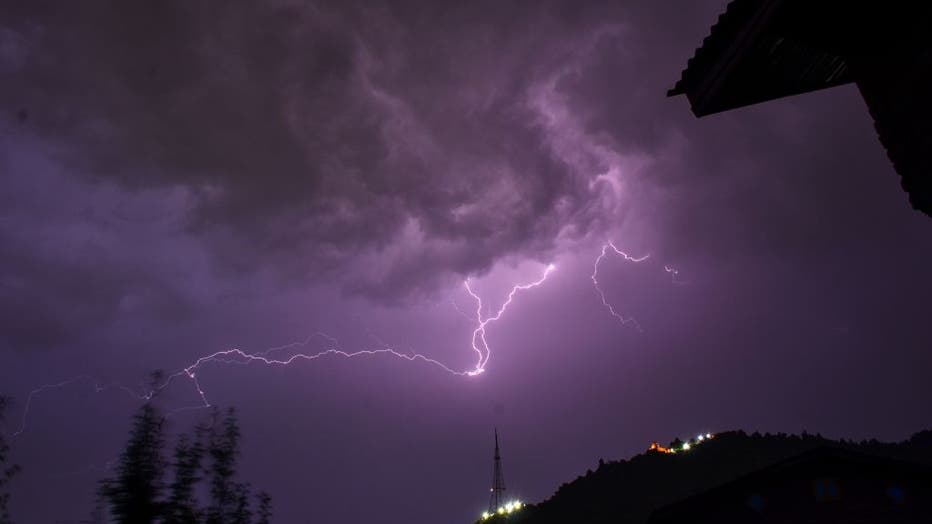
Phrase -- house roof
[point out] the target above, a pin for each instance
(759, 50)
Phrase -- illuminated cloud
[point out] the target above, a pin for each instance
(321, 139)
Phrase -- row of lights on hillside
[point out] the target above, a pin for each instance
(516, 505)
(655, 446)
(699, 439)
(507, 509)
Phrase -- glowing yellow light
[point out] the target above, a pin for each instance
(501, 511)
(686, 446)
(655, 446)
(708, 435)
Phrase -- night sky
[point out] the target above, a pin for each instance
(185, 177)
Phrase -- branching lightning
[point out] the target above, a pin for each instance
(674, 274)
(98, 388)
(237, 356)
(479, 344)
(595, 282)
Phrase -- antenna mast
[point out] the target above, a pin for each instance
(498, 481)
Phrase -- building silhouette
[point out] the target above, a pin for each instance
(760, 50)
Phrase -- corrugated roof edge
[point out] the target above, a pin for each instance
(728, 23)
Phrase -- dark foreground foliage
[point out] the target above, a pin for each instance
(7, 471)
(202, 468)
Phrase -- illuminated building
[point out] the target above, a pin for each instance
(655, 446)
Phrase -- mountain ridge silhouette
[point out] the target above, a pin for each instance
(629, 490)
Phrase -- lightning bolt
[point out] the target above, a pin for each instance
(674, 274)
(98, 388)
(479, 343)
(595, 282)
(237, 356)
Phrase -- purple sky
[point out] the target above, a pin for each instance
(185, 177)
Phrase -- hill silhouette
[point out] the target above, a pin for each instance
(629, 490)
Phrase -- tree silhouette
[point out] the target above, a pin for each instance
(265, 508)
(242, 514)
(139, 495)
(134, 497)
(182, 506)
(6, 471)
(225, 493)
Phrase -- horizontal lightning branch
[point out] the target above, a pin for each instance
(236, 356)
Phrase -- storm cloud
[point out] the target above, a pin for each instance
(411, 143)
(180, 177)
(390, 150)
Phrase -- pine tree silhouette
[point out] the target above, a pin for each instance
(265, 508)
(225, 494)
(182, 506)
(139, 495)
(7, 472)
(134, 496)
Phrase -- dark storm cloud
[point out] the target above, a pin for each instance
(49, 302)
(77, 256)
(393, 149)
(180, 177)
(725, 183)
(410, 143)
